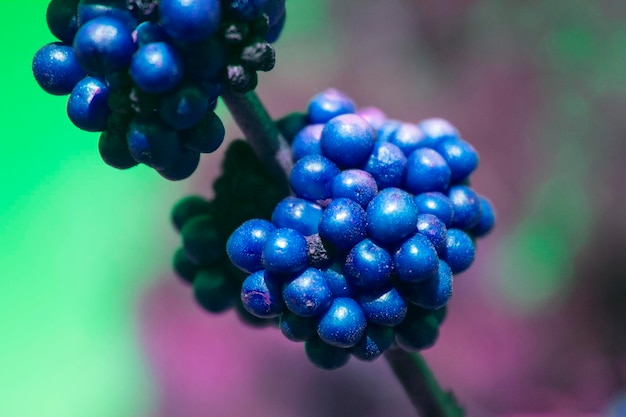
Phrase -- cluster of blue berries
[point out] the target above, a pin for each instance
(362, 257)
(147, 73)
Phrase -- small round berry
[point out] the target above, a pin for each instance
(347, 140)
(114, 150)
(274, 31)
(408, 138)
(355, 184)
(436, 131)
(56, 69)
(385, 308)
(375, 342)
(285, 252)
(213, 290)
(261, 295)
(339, 285)
(329, 104)
(374, 116)
(368, 266)
(461, 157)
(152, 143)
(307, 142)
(386, 164)
(89, 10)
(434, 293)
(466, 205)
(188, 208)
(87, 106)
(343, 224)
(343, 325)
(426, 171)
(311, 176)
(391, 216)
(246, 9)
(149, 32)
(487, 218)
(182, 167)
(416, 260)
(156, 68)
(437, 204)
(274, 9)
(434, 229)
(298, 214)
(387, 129)
(183, 107)
(460, 250)
(325, 356)
(104, 45)
(418, 331)
(205, 136)
(201, 241)
(308, 294)
(297, 328)
(190, 20)
(61, 19)
(245, 245)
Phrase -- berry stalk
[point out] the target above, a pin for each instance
(419, 382)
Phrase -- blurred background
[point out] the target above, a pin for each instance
(94, 323)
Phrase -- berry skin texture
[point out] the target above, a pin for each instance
(114, 151)
(87, 105)
(347, 140)
(418, 331)
(487, 218)
(245, 245)
(374, 116)
(437, 130)
(307, 142)
(416, 260)
(460, 250)
(103, 45)
(325, 356)
(285, 252)
(190, 20)
(407, 137)
(434, 229)
(311, 176)
(56, 69)
(261, 295)
(308, 294)
(466, 205)
(152, 143)
(368, 266)
(182, 167)
(156, 68)
(298, 214)
(343, 224)
(205, 136)
(461, 157)
(386, 164)
(354, 184)
(343, 325)
(329, 104)
(434, 293)
(375, 342)
(391, 216)
(437, 204)
(183, 107)
(426, 170)
(338, 284)
(385, 308)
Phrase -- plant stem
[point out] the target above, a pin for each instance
(419, 382)
(261, 133)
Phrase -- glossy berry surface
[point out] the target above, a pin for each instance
(311, 176)
(466, 206)
(434, 229)
(87, 105)
(298, 214)
(343, 223)
(347, 140)
(386, 165)
(343, 324)
(391, 216)
(416, 260)
(152, 143)
(307, 142)
(487, 218)
(285, 251)
(384, 308)
(261, 295)
(436, 130)
(426, 171)
(156, 68)
(434, 293)
(355, 184)
(375, 342)
(368, 266)
(329, 104)
(437, 204)
(245, 246)
(407, 137)
(460, 156)
(307, 294)
(190, 20)
(56, 69)
(460, 250)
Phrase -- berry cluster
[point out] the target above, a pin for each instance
(362, 257)
(147, 73)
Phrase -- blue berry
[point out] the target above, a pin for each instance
(343, 325)
(156, 68)
(152, 143)
(201, 241)
(246, 9)
(275, 10)
(461, 157)
(418, 331)
(385, 308)
(297, 328)
(434, 293)
(487, 218)
(114, 150)
(261, 295)
(375, 342)
(276, 29)
(466, 205)
(434, 229)
(104, 45)
(190, 20)
(311, 176)
(347, 140)
(368, 266)
(56, 69)
(426, 171)
(386, 164)
(182, 167)
(436, 131)
(61, 19)
(87, 106)
(437, 204)
(308, 294)
(285, 252)
(387, 129)
(298, 214)
(205, 136)
(343, 224)
(325, 356)
(391, 216)
(355, 184)
(149, 32)
(245, 245)
(416, 259)
(307, 142)
(338, 283)
(460, 250)
(407, 137)
(373, 115)
(87, 11)
(329, 104)
(183, 107)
